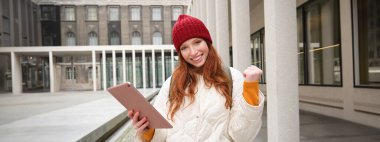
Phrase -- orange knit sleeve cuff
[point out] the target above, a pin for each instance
(251, 93)
(147, 135)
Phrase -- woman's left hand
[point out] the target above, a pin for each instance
(252, 74)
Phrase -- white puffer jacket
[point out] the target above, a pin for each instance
(207, 119)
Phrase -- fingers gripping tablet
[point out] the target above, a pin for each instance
(132, 99)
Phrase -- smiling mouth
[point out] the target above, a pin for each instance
(197, 59)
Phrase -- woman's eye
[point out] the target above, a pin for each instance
(183, 48)
(197, 42)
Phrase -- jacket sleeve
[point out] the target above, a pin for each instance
(245, 119)
(161, 106)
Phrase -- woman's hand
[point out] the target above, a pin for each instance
(252, 74)
(139, 125)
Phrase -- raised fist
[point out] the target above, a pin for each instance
(252, 74)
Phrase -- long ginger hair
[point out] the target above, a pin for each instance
(185, 81)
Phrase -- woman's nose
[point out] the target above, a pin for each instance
(193, 50)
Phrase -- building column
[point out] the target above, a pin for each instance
(163, 65)
(240, 34)
(134, 66)
(114, 67)
(222, 39)
(194, 8)
(203, 6)
(16, 74)
(94, 79)
(143, 68)
(197, 8)
(104, 70)
(347, 55)
(52, 73)
(210, 9)
(190, 9)
(124, 67)
(154, 69)
(282, 86)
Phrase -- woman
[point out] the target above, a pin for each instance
(198, 100)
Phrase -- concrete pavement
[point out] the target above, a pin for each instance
(63, 116)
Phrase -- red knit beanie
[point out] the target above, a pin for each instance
(188, 27)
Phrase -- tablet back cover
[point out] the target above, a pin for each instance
(132, 99)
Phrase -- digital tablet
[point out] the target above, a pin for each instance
(132, 99)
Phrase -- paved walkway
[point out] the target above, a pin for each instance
(314, 128)
(69, 116)
(64, 116)
(319, 128)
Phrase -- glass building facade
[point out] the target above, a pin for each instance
(367, 45)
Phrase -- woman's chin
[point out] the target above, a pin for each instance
(198, 65)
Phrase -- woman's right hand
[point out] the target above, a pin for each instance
(139, 125)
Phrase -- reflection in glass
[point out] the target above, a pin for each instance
(158, 67)
(369, 42)
(129, 67)
(35, 74)
(5, 73)
(139, 71)
(168, 64)
(119, 69)
(258, 52)
(301, 49)
(322, 34)
(109, 70)
(148, 70)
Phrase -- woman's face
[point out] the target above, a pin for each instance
(194, 51)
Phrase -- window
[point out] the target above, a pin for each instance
(114, 38)
(367, 45)
(70, 73)
(319, 43)
(92, 13)
(89, 73)
(129, 67)
(159, 70)
(258, 52)
(136, 38)
(70, 39)
(6, 25)
(301, 52)
(5, 8)
(48, 13)
(6, 41)
(176, 11)
(156, 14)
(69, 13)
(92, 38)
(157, 38)
(113, 13)
(135, 13)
